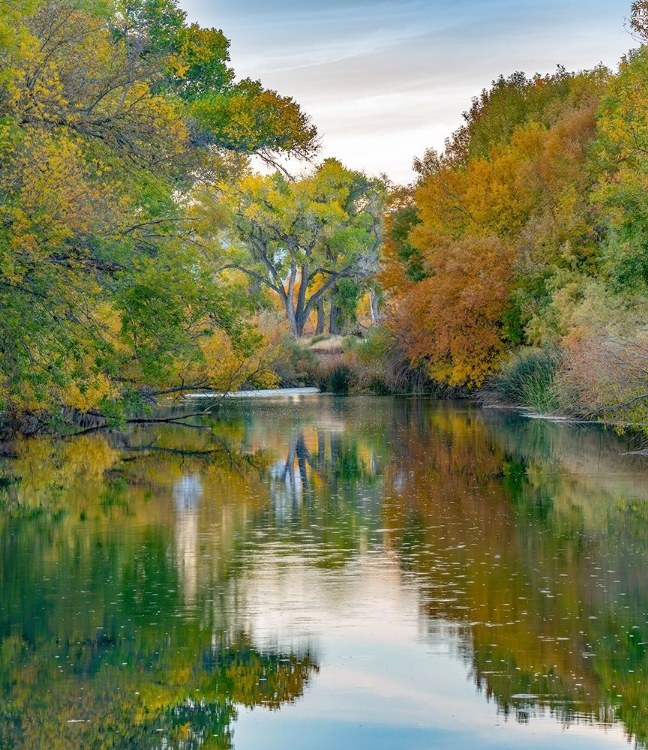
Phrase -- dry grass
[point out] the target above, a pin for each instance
(327, 347)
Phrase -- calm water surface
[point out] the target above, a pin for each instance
(325, 573)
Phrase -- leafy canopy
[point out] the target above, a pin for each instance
(109, 112)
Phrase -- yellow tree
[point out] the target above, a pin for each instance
(108, 112)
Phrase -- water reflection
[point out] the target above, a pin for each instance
(154, 584)
(187, 492)
(135, 690)
(322, 463)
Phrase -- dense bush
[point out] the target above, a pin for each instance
(294, 364)
(375, 364)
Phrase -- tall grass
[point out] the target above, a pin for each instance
(529, 378)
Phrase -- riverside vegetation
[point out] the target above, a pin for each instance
(365, 572)
(144, 253)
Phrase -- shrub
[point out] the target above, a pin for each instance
(605, 372)
(295, 365)
(341, 377)
(335, 377)
(373, 364)
(376, 364)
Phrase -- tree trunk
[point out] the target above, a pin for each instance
(292, 318)
(321, 319)
(300, 323)
(373, 303)
(334, 316)
(289, 301)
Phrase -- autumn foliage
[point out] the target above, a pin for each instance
(452, 319)
(496, 227)
(109, 115)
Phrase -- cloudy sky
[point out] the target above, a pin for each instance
(382, 80)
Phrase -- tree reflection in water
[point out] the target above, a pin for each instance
(123, 559)
(139, 691)
(98, 647)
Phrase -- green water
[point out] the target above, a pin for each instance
(325, 573)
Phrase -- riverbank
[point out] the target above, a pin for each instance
(530, 383)
(540, 383)
(373, 363)
(551, 382)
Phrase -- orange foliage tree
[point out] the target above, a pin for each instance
(451, 321)
(473, 249)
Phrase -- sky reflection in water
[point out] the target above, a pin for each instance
(349, 573)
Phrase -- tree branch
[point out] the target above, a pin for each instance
(254, 275)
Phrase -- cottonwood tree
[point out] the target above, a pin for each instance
(297, 238)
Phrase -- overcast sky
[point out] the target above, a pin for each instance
(384, 80)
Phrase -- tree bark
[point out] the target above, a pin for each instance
(292, 318)
(321, 318)
(301, 318)
(334, 315)
(373, 303)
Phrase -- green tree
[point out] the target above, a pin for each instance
(622, 150)
(192, 64)
(108, 114)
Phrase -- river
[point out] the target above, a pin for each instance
(320, 572)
